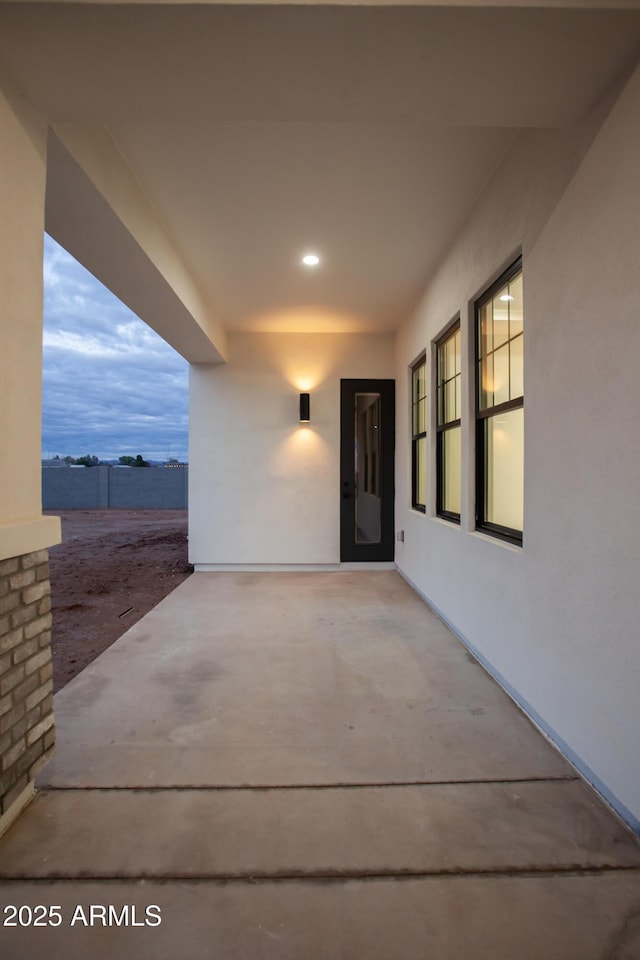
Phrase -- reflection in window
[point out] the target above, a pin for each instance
(368, 512)
(449, 440)
(419, 435)
(500, 407)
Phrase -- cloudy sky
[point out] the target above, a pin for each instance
(111, 386)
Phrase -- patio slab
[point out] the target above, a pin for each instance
(309, 766)
(365, 831)
(440, 918)
(291, 679)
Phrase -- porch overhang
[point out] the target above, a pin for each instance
(96, 210)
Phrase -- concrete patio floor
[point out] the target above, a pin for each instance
(300, 766)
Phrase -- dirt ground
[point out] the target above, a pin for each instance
(111, 568)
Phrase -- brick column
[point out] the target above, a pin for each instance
(27, 731)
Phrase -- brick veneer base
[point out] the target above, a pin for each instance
(27, 732)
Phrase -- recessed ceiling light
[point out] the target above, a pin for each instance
(311, 260)
(506, 296)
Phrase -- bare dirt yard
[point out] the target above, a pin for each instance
(111, 568)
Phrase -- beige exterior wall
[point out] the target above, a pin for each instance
(264, 489)
(22, 185)
(556, 620)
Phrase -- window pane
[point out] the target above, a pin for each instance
(418, 388)
(441, 404)
(501, 318)
(517, 368)
(458, 415)
(422, 415)
(486, 382)
(419, 427)
(451, 469)
(486, 331)
(504, 469)
(450, 401)
(515, 306)
(501, 375)
(440, 383)
(367, 474)
(450, 358)
(457, 351)
(449, 361)
(421, 471)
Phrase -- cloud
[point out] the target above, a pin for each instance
(111, 385)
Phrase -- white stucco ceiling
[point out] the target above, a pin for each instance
(365, 133)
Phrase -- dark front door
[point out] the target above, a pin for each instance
(367, 441)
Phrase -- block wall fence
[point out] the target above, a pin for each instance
(100, 488)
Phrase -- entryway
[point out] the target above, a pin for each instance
(367, 442)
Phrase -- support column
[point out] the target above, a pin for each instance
(26, 717)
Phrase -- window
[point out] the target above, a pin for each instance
(368, 437)
(449, 431)
(500, 407)
(419, 435)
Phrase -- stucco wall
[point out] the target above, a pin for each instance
(558, 619)
(263, 489)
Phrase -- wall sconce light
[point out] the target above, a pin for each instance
(305, 415)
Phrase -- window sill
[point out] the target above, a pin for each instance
(497, 542)
(443, 522)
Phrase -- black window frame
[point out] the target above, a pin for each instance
(441, 428)
(508, 534)
(416, 437)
